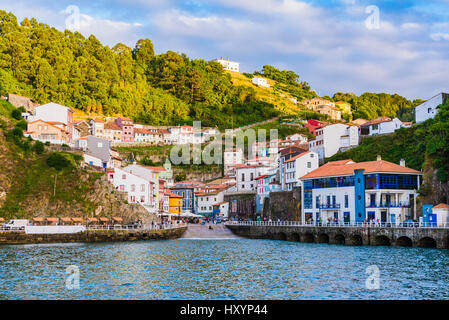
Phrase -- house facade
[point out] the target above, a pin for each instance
(127, 126)
(348, 192)
(229, 65)
(47, 132)
(382, 125)
(56, 114)
(246, 176)
(298, 166)
(98, 152)
(262, 82)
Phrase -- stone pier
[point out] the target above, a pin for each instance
(20, 237)
(373, 236)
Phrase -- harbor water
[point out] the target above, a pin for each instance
(220, 269)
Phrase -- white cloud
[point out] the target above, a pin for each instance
(439, 36)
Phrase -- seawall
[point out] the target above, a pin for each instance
(20, 237)
(374, 236)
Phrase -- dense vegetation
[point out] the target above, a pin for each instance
(373, 105)
(65, 67)
(427, 140)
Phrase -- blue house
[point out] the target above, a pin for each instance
(350, 192)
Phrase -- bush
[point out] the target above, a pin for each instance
(16, 114)
(180, 177)
(59, 161)
(38, 147)
(22, 124)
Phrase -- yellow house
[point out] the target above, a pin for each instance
(174, 203)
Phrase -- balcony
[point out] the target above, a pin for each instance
(391, 204)
(330, 206)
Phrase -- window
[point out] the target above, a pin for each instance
(133, 188)
(142, 187)
(123, 176)
(309, 164)
(100, 145)
(252, 176)
(243, 177)
(122, 187)
(142, 198)
(429, 110)
(346, 201)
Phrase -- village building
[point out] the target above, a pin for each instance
(51, 132)
(246, 176)
(97, 127)
(428, 110)
(98, 152)
(349, 192)
(382, 125)
(112, 132)
(20, 101)
(127, 126)
(261, 82)
(229, 65)
(299, 166)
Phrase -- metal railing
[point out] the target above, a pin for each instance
(392, 204)
(341, 224)
(157, 226)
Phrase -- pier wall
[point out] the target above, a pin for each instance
(20, 237)
(374, 236)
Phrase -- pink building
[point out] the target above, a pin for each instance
(127, 126)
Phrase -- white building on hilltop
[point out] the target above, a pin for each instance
(428, 109)
(229, 65)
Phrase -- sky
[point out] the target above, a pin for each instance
(392, 46)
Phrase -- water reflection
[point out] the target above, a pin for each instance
(221, 269)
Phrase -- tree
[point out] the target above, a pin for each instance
(16, 114)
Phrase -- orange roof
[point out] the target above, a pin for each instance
(117, 219)
(174, 195)
(52, 219)
(104, 219)
(112, 126)
(98, 120)
(141, 130)
(345, 167)
(92, 219)
(441, 206)
(155, 168)
(38, 219)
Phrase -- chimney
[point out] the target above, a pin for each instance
(402, 163)
(379, 157)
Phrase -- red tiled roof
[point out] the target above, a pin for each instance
(141, 130)
(341, 168)
(112, 126)
(174, 195)
(155, 168)
(441, 206)
(98, 120)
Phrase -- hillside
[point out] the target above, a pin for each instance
(35, 182)
(424, 146)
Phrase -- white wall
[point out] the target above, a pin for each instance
(428, 110)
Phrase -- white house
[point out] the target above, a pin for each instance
(428, 109)
(97, 151)
(246, 176)
(382, 125)
(442, 213)
(333, 138)
(299, 166)
(141, 183)
(56, 114)
(348, 192)
(229, 65)
(302, 138)
(262, 82)
(139, 189)
(97, 127)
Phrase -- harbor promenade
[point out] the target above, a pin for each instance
(407, 235)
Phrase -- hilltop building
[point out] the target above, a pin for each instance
(428, 109)
(229, 65)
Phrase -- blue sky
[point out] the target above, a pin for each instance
(326, 42)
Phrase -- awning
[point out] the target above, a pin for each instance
(117, 219)
(2, 219)
(92, 219)
(38, 219)
(77, 219)
(66, 219)
(103, 219)
(52, 219)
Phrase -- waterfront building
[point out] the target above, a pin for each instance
(356, 192)
(299, 166)
(428, 109)
(441, 212)
(265, 185)
(187, 190)
(175, 203)
(284, 155)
